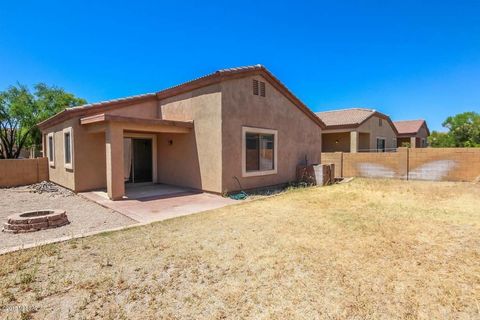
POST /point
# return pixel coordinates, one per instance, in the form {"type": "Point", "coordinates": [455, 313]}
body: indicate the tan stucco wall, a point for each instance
{"type": "Point", "coordinates": [178, 163]}
{"type": "Point", "coordinates": [385, 131]}
{"type": "Point", "coordinates": [329, 142]}
{"type": "Point", "coordinates": [58, 173]}
{"type": "Point", "coordinates": [88, 158]}
{"type": "Point", "coordinates": [422, 133]}
{"type": "Point", "coordinates": [298, 136]}
{"type": "Point", "coordinates": [147, 109]}
{"type": "Point", "coordinates": [364, 141]}
{"type": "Point", "coordinates": [194, 159]}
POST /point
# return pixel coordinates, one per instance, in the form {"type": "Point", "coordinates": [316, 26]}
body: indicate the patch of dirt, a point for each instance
{"type": "Point", "coordinates": [368, 249]}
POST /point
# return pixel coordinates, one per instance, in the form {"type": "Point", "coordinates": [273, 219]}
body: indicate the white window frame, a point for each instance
{"type": "Point", "coordinates": [51, 160]}
{"type": "Point", "coordinates": [246, 130]}
{"type": "Point", "coordinates": [68, 166]}
{"type": "Point", "coordinates": [376, 144]}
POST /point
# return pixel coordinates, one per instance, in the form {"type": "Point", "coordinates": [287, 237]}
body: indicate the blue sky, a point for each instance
{"type": "Point", "coordinates": [408, 59]}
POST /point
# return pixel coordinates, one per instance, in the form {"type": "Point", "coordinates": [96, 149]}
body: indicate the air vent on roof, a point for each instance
{"type": "Point", "coordinates": [262, 88]}
{"type": "Point", "coordinates": [255, 87]}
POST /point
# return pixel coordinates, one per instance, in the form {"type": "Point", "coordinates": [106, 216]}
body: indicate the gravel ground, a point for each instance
{"type": "Point", "coordinates": [84, 215]}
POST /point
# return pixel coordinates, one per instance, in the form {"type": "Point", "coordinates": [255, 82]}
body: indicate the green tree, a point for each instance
{"type": "Point", "coordinates": [21, 111]}
{"type": "Point", "coordinates": [441, 140]}
{"type": "Point", "coordinates": [464, 129]}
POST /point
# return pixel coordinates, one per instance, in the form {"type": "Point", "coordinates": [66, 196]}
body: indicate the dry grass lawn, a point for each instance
{"type": "Point", "coordinates": [368, 249]}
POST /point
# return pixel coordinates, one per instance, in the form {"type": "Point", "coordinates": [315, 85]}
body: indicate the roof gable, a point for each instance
{"type": "Point", "coordinates": [345, 117]}
{"type": "Point", "coordinates": [406, 127]}
{"type": "Point", "coordinates": [350, 118]}
{"type": "Point", "coordinates": [212, 78]}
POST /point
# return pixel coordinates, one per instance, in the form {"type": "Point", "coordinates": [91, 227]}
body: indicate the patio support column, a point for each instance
{"type": "Point", "coordinates": [413, 142]}
{"type": "Point", "coordinates": [114, 154]}
{"type": "Point", "coordinates": [354, 141]}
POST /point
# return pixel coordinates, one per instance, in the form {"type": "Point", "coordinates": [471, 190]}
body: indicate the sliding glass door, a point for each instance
{"type": "Point", "coordinates": [137, 160]}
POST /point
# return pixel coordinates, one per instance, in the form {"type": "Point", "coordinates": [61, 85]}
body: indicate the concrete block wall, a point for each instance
{"type": "Point", "coordinates": [374, 165]}
{"type": "Point", "coordinates": [18, 172]}
{"type": "Point", "coordinates": [435, 164]}
{"type": "Point", "coordinates": [448, 164]}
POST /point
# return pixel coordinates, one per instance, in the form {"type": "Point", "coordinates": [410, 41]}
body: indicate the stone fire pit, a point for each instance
{"type": "Point", "coordinates": [35, 220]}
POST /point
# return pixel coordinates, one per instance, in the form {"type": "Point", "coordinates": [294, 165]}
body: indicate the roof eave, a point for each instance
{"type": "Point", "coordinates": [210, 79]}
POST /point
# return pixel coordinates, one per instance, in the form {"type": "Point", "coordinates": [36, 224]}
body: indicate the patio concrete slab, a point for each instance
{"type": "Point", "coordinates": [158, 202]}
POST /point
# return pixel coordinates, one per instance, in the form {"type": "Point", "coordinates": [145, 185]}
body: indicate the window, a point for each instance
{"type": "Point", "coordinates": [67, 148]}
{"type": "Point", "coordinates": [380, 144]}
{"type": "Point", "coordinates": [51, 149]}
{"type": "Point", "coordinates": [259, 154]}
{"type": "Point", "coordinates": [380, 122]}
{"type": "Point", "coordinates": [424, 143]}
{"type": "Point", "coordinates": [258, 88]}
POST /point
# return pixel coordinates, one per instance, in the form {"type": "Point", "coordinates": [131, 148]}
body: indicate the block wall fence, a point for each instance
{"type": "Point", "coordinates": [436, 164]}
{"type": "Point", "coordinates": [17, 172]}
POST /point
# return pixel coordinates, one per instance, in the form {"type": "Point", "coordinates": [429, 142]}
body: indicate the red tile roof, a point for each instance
{"type": "Point", "coordinates": [409, 126]}
{"type": "Point", "coordinates": [351, 118]}
{"type": "Point", "coordinates": [345, 117]}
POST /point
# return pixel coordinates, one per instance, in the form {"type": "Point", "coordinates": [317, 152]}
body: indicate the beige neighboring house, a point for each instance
{"type": "Point", "coordinates": [413, 133]}
{"type": "Point", "coordinates": [357, 130]}
{"type": "Point", "coordinates": [232, 129]}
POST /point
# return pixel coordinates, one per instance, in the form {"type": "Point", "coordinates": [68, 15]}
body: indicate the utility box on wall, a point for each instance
{"type": "Point", "coordinates": [316, 174]}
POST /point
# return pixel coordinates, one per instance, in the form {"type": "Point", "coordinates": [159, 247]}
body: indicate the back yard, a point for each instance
{"type": "Point", "coordinates": [366, 249]}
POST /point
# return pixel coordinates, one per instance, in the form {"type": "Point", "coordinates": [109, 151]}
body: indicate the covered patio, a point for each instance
{"type": "Point", "coordinates": [346, 141]}
{"type": "Point", "coordinates": [131, 148]}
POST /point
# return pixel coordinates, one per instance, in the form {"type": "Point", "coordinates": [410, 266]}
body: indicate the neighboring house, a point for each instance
{"type": "Point", "coordinates": [357, 130]}
{"type": "Point", "coordinates": [234, 129]}
{"type": "Point", "coordinates": [413, 133]}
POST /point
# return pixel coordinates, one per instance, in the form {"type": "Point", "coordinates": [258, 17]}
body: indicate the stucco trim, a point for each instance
{"type": "Point", "coordinates": [99, 118]}
{"type": "Point", "coordinates": [68, 166]}
{"type": "Point", "coordinates": [51, 161]}
{"type": "Point", "coordinates": [246, 130]}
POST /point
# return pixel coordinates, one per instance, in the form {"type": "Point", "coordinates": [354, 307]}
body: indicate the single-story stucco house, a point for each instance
{"type": "Point", "coordinates": [412, 133]}
{"type": "Point", "coordinates": [357, 130]}
{"type": "Point", "coordinates": [234, 129]}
